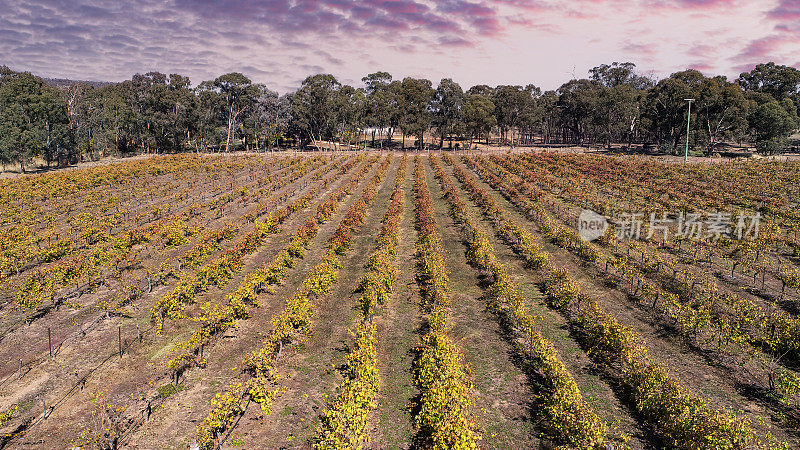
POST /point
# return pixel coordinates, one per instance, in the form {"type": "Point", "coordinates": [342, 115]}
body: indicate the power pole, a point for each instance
{"type": "Point", "coordinates": [688, 118]}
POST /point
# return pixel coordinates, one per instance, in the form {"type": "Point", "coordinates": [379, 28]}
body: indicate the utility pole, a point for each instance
{"type": "Point", "coordinates": [688, 118]}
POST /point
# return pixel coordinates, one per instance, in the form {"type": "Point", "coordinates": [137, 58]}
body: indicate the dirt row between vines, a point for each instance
{"type": "Point", "coordinates": [224, 360]}
{"type": "Point", "coordinates": [30, 342]}
{"type": "Point", "coordinates": [120, 382]}
{"type": "Point", "coordinates": [505, 395]}
{"type": "Point", "coordinates": [696, 371]}
{"type": "Point", "coordinates": [594, 386]}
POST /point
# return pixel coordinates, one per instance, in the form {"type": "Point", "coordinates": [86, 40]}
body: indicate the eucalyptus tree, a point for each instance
{"type": "Point", "coordinates": [776, 80]}
{"type": "Point", "coordinates": [579, 106]}
{"type": "Point", "coordinates": [479, 117]}
{"type": "Point", "coordinates": [84, 104]}
{"type": "Point", "coordinates": [618, 74]}
{"type": "Point", "coordinates": [771, 122]}
{"type": "Point", "coordinates": [774, 93]}
{"type": "Point", "coordinates": [482, 90]}
{"type": "Point", "coordinates": [350, 107]}
{"type": "Point", "coordinates": [75, 95]}
{"type": "Point", "coordinates": [181, 111]}
{"type": "Point", "coordinates": [414, 101]}
{"type": "Point", "coordinates": [513, 105]}
{"type": "Point", "coordinates": [113, 114]}
{"type": "Point", "coordinates": [719, 113]}
{"type": "Point", "coordinates": [211, 123]}
{"type": "Point", "coordinates": [33, 121]}
{"type": "Point", "coordinates": [168, 110]}
{"type": "Point", "coordinates": [381, 103]}
{"type": "Point", "coordinates": [722, 111]}
{"type": "Point", "coordinates": [447, 105]}
{"type": "Point", "coordinates": [620, 103]}
{"type": "Point", "coordinates": [159, 112]}
{"type": "Point", "coordinates": [143, 94]}
{"type": "Point", "coordinates": [314, 109]}
{"type": "Point", "coordinates": [269, 116]}
{"type": "Point", "coordinates": [237, 93]}
{"type": "Point", "coordinates": [666, 111]}
{"type": "Point", "coordinates": [551, 116]}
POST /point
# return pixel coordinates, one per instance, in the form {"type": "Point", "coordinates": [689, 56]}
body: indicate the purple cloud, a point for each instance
{"type": "Point", "coordinates": [693, 4]}
{"type": "Point", "coordinates": [787, 10]}
{"type": "Point", "coordinates": [280, 41]}
{"type": "Point", "coordinates": [785, 18]}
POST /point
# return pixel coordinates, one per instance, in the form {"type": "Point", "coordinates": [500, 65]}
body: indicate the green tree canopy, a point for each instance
{"type": "Point", "coordinates": [33, 120]}
{"type": "Point", "coordinates": [414, 101]}
{"type": "Point", "coordinates": [447, 107]}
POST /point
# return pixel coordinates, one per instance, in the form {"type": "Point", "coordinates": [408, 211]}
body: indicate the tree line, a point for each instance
{"type": "Point", "coordinates": [614, 105]}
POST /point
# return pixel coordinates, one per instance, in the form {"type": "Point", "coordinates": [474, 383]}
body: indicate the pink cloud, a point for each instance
{"type": "Point", "coordinates": [744, 67]}
{"type": "Point", "coordinates": [640, 49]}
{"type": "Point", "coordinates": [215, 36]}
{"type": "Point", "coordinates": [787, 10]}
{"type": "Point", "coordinates": [455, 42]}
{"type": "Point", "coordinates": [702, 67]}
{"type": "Point", "coordinates": [707, 51]}
{"type": "Point", "coordinates": [763, 49]}
{"type": "Point", "coordinates": [399, 6]}
{"type": "Point", "coordinates": [691, 4]}
{"type": "Point", "coordinates": [527, 5]}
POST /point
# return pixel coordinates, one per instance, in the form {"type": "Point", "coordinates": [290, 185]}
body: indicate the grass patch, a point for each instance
{"type": "Point", "coordinates": [169, 390]}
{"type": "Point", "coordinates": [288, 410]}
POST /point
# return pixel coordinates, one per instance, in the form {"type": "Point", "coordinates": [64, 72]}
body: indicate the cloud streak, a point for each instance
{"type": "Point", "coordinates": [476, 41]}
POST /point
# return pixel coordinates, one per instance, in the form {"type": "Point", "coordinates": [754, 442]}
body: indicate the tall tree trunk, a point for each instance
{"type": "Point", "coordinates": [231, 122]}
{"type": "Point", "coordinates": [228, 140]}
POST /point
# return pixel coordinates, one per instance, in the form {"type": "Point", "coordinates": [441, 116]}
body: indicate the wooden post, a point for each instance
{"type": "Point", "coordinates": [119, 340]}
{"type": "Point", "coordinates": [49, 342]}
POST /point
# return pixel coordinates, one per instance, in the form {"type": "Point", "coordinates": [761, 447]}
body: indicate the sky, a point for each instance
{"type": "Point", "coordinates": [279, 43]}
